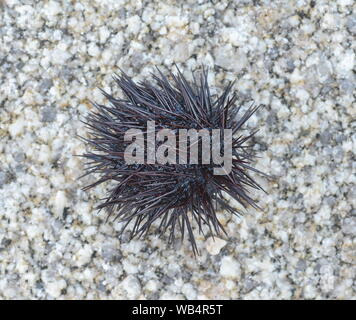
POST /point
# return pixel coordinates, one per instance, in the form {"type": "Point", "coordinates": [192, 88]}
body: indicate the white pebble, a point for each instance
{"type": "Point", "coordinates": [55, 288]}
{"type": "Point", "coordinates": [230, 268]}
{"type": "Point", "coordinates": [84, 255]}
{"type": "Point", "coordinates": [59, 203]}
{"type": "Point", "coordinates": [16, 128]}
{"type": "Point", "coordinates": [214, 245]}
{"type": "Point", "coordinates": [132, 287]}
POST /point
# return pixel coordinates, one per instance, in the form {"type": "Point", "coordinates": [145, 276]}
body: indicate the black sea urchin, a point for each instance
{"type": "Point", "coordinates": [173, 192]}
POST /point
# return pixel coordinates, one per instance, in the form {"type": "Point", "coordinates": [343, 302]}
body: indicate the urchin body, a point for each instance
{"type": "Point", "coordinates": [174, 194]}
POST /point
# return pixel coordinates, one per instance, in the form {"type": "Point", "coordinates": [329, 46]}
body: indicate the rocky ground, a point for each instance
{"type": "Point", "coordinates": [296, 57]}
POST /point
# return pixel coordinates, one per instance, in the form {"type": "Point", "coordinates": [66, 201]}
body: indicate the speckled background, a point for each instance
{"type": "Point", "coordinates": [296, 57]}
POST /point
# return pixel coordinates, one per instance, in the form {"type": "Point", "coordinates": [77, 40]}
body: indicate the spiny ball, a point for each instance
{"type": "Point", "coordinates": [174, 194]}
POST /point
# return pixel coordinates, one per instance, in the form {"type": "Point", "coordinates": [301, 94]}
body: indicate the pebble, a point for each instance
{"type": "Point", "coordinates": [214, 245]}
{"type": "Point", "coordinates": [230, 268]}
{"type": "Point", "coordinates": [296, 59]}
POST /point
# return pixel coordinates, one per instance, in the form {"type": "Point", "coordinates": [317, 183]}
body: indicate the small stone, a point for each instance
{"type": "Point", "coordinates": [137, 60]}
{"type": "Point", "coordinates": [132, 287]}
{"type": "Point", "coordinates": [214, 245]}
{"type": "Point", "coordinates": [45, 85]}
{"type": "Point", "coordinates": [230, 268]}
{"type": "Point", "coordinates": [122, 13]}
{"type": "Point", "coordinates": [249, 285]}
{"type": "Point", "coordinates": [273, 53]}
{"type": "Point", "coordinates": [167, 280]}
{"type": "Point", "coordinates": [16, 128]}
{"type": "Point", "coordinates": [84, 255]}
{"type": "Point", "coordinates": [110, 254]}
{"type": "Point", "coordinates": [20, 65]}
{"type": "Point", "coordinates": [101, 287]}
{"type": "Point", "coordinates": [152, 285]}
{"type": "Point", "coordinates": [133, 24]}
{"type": "Point", "coordinates": [301, 265]}
{"type": "Point", "coordinates": [52, 8]}
{"type": "Point", "coordinates": [19, 157]}
{"type": "Point", "coordinates": [181, 52]}
{"type": "Point", "coordinates": [3, 178]}
{"type": "Point", "coordinates": [59, 203]}
{"type": "Point", "coordinates": [55, 288]}
{"type": "Point", "coordinates": [48, 114]}
{"type": "Point", "coordinates": [347, 86]}
{"type": "Point", "coordinates": [290, 65]}
{"type": "Point", "coordinates": [93, 50]}
{"type": "Point", "coordinates": [349, 226]}
{"type": "Point", "coordinates": [351, 24]}
{"type": "Point", "coordinates": [59, 56]}
{"type": "Point", "coordinates": [272, 119]}
{"type": "Point", "coordinates": [325, 137]}
{"type": "Point", "coordinates": [5, 242]}
{"type": "Point", "coordinates": [66, 73]}
{"type": "Point", "coordinates": [298, 61]}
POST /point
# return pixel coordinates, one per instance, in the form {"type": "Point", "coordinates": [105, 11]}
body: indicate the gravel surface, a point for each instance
{"type": "Point", "coordinates": [296, 57]}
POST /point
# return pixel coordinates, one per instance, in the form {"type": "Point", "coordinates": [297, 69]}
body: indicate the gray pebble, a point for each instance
{"type": "Point", "coordinates": [45, 85]}
{"type": "Point", "coordinates": [347, 86]}
{"type": "Point", "coordinates": [110, 254]}
{"type": "Point", "coordinates": [48, 114]}
{"type": "Point", "coordinates": [249, 285]}
{"type": "Point", "coordinates": [351, 24]}
{"type": "Point", "coordinates": [301, 265]}
{"type": "Point", "coordinates": [3, 178]}
{"type": "Point", "coordinates": [349, 226]}
{"type": "Point", "coordinates": [325, 137]}
{"type": "Point", "coordinates": [19, 156]}
{"type": "Point", "coordinates": [290, 65]}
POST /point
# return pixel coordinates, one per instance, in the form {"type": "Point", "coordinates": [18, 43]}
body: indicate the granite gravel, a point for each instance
{"type": "Point", "coordinates": [297, 57]}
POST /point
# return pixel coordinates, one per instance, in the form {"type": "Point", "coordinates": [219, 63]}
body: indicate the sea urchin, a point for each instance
{"type": "Point", "coordinates": [131, 145]}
